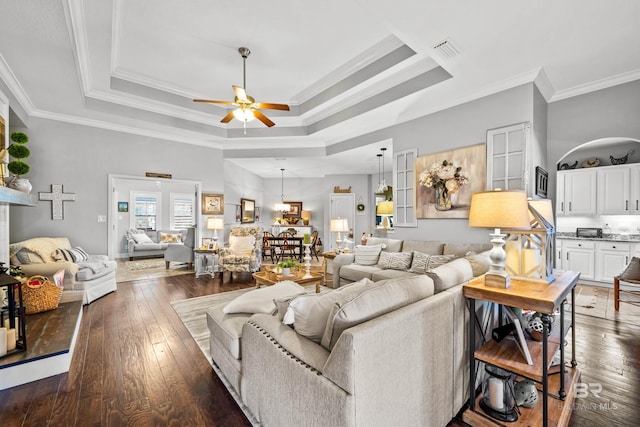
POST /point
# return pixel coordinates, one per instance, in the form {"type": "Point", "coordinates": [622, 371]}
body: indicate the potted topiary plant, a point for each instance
{"type": "Point", "coordinates": [287, 265]}
{"type": "Point", "coordinates": [17, 167]}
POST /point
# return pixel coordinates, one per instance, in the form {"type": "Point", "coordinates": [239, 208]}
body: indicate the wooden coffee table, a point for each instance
{"type": "Point", "coordinates": [268, 278]}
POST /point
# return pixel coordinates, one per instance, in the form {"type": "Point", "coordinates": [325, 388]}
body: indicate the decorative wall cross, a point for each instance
{"type": "Point", "coordinates": [56, 197]}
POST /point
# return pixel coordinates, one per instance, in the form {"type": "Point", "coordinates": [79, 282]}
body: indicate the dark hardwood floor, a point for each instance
{"type": "Point", "coordinates": [135, 364]}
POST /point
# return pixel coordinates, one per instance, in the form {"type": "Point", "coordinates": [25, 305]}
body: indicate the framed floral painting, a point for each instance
{"type": "Point", "coordinates": [445, 181]}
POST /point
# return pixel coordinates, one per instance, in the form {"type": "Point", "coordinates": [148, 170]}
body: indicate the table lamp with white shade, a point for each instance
{"type": "Point", "coordinates": [499, 210]}
{"type": "Point", "coordinates": [338, 225]}
{"type": "Point", "coordinates": [215, 224]}
{"type": "Point", "coordinates": [306, 216]}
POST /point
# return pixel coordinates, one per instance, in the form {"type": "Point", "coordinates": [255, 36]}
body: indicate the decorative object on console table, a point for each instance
{"type": "Point", "coordinates": [338, 225]}
{"type": "Point", "coordinates": [498, 399]}
{"type": "Point", "coordinates": [57, 196]}
{"type": "Point", "coordinates": [530, 253]}
{"type": "Point", "coordinates": [499, 209]}
{"type": "Point", "coordinates": [17, 167]}
{"type": "Point", "coordinates": [453, 181]}
{"type": "Point", "coordinates": [212, 204]}
{"type": "Point", "coordinates": [306, 216]}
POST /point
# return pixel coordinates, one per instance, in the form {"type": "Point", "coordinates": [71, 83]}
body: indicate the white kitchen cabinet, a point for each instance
{"type": "Point", "coordinates": [579, 255]}
{"type": "Point", "coordinates": [614, 191]}
{"type": "Point", "coordinates": [576, 192]}
{"type": "Point", "coordinates": [611, 259]}
{"type": "Point", "coordinates": [634, 198]}
{"type": "Point", "coordinates": [558, 255]}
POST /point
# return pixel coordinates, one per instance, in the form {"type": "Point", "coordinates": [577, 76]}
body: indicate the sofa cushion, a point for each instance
{"type": "Point", "coordinates": [389, 245]}
{"type": "Point", "coordinates": [242, 245]}
{"type": "Point", "coordinates": [355, 272]}
{"type": "Point", "coordinates": [44, 247]}
{"type": "Point", "coordinates": [480, 263]}
{"type": "Point", "coordinates": [25, 256]}
{"type": "Point", "coordinates": [170, 237]}
{"type": "Point", "coordinates": [141, 238]}
{"type": "Point", "coordinates": [424, 262]}
{"type": "Point", "coordinates": [390, 274]}
{"type": "Point", "coordinates": [367, 255]}
{"type": "Point", "coordinates": [632, 272]}
{"type": "Point", "coordinates": [425, 246]}
{"type": "Point", "coordinates": [460, 249]}
{"type": "Point", "coordinates": [261, 300]}
{"type": "Point", "coordinates": [395, 260]}
{"type": "Point", "coordinates": [372, 301]}
{"type": "Point", "coordinates": [76, 254]}
{"type": "Point", "coordinates": [451, 274]}
{"type": "Point", "coordinates": [227, 328]}
{"type": "Point", "coordinates": [309, 313]}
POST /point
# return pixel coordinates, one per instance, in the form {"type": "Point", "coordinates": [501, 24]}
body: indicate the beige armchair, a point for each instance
{"type": "Point", "coordinates": [243, 253]}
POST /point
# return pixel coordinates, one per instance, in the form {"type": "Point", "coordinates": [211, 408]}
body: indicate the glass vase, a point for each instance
{"type": "Point", "coordinates": [443, 199]}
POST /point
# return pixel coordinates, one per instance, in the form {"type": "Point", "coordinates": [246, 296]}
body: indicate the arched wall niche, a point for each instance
{"type": "Point", "coordinates": [601, 149]}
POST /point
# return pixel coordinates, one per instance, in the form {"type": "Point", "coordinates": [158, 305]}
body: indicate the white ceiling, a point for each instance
{"type": "Point", "coordinates": [345, 67]}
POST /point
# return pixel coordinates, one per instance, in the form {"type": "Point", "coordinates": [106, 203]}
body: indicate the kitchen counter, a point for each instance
{"type": "Point", "coordinates": [604, 238]}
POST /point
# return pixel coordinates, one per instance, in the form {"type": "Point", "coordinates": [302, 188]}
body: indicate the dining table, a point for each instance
{"type": "Point", "coordinates": [282, 244]}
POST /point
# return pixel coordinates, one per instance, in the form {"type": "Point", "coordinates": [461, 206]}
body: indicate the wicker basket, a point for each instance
{"type": "Point", "coordinates": [40, 294]}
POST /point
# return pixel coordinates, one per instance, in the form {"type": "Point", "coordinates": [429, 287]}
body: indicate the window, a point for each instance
{"type": "Point", "coordinates": [146, 212]}
{"type": "Point", "coordinates": [182, 210]}
{"type": "Point", "coordinates": [404, 188]}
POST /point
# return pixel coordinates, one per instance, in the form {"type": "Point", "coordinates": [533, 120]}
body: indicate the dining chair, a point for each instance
{"type": "Point", "coordinates": [631, 278]}
{"type": "Point", "coordinates": [314, 244]}
{"type": "Point", "coordinates": [287, 245]}
{"type": "Point", "coordinates": [267, 245]}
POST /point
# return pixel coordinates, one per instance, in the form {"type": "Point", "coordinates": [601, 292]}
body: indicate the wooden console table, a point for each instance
{"type": "Point", "coordinates": [544, 298]}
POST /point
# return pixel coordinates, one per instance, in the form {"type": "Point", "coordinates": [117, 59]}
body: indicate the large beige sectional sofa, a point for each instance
{"type": "Point", "coordinates": [389, 352]}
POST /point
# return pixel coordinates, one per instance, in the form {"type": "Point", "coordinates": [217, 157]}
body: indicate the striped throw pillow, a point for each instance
{"type": "Point", "coordinates": [395, 260]}
{"type": "Point", "coordinates": [76, 254]}
{"type": "Point", "coordinates": [422, 263]}
{"type": "Point", "coordinates": [367, 255]}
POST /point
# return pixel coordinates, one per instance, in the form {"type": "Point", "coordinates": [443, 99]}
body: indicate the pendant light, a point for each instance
{"type": "Point", "coordinates": [282, 206]}
{"type": "Point", "coordinates": [382, 185]}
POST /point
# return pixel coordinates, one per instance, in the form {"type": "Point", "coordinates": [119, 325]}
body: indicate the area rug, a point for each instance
{"type": "Point", "coordinates": [145, 264]}
{"type": "Point", "coordinates": [597, 301]}
{"type": "Point", "coordinates": [192, 313]}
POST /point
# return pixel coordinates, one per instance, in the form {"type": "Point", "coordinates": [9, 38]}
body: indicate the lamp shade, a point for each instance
{"type": "Point", "coordinates": [306, 215]}
{"type": "Point", "coordinates": [385, 208]}
{"type": "Point", "coordinates": [499, 209]}
{"type": "Point", "coordinates": [338, 225]}
{"type": "Point", "coordinates": [544, 208]}
{"type": "Point", "coordinates": [215, 224]}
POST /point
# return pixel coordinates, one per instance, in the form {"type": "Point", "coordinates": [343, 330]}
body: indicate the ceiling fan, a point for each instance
{"type": "Point", "coordinates": [248, 108]}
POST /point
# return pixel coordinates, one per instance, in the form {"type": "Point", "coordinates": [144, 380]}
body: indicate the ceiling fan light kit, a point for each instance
{"type": "Point", "coordinates": [248, 108]}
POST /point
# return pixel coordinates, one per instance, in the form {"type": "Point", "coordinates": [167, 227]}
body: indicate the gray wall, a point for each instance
{"type": "Point", "coordinates": [611, 112]}
{"type": "Point", "coordinates": [80, 158]}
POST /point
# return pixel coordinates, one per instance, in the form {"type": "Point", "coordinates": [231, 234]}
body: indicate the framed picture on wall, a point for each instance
{"type": "Point", "coordinates": [123, 206]}
{"type": "Point", "coordinates": [247, 211]}
{"type": "Point", "coordinates": [542, 179]}
{"type": "Point", "coordinates": [212, 204]}
{"type": "Point", "coordinates": [295, 210]}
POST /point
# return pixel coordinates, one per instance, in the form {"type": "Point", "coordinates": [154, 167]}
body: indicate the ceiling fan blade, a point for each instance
{"type": "Point", "coordinates": [270, 106]}
{"type": "Point", "coordinates": [227, 118]}
{"type": "Point", "coordinates": [264, 119]}
{"type": "Point", "coordinates": [240, 93]}
{"type": "Point", "coordinates": [211, 101]}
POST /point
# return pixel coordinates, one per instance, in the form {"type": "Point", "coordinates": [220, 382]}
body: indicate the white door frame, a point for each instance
{"type": "Point", "coordinates": [112, 243]}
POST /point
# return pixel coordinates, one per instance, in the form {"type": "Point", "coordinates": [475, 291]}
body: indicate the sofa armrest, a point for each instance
{"type": "Point", "coordinates": [338, 262]}
{"type": "Point", "coordinates": [48, 269]}
{"type": "Point", "coordinates": [131, 246]}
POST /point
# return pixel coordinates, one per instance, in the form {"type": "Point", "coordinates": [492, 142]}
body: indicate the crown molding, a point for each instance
{"type": "Point", "coordinates": [544, 85]}
{"type": "Point", "coordinates": [101, 124]}
{"type": "Point", "coordinates": [15, 87]}
{"type": "Point", "coordinates": [597, 85]}
{"type": "Point", "coordinates": [74, 13]}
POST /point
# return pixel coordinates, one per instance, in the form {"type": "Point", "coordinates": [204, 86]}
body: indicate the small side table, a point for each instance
{"type": "Point", "coordinates": [206, 262]}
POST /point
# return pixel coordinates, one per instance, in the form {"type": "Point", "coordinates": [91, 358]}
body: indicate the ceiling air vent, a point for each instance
{"type": "Point", "coordinates": [446, 49]}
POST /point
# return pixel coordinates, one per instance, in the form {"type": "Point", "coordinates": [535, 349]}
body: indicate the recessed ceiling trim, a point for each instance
{"type": "Point", "coordinates": [374, 53]}
{"type": "Point", "coordinates": [618, 79]}
{"type": "Point", "coordinates": [14, 86]}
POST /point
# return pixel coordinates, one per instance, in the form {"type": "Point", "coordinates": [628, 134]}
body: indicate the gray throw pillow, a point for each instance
{"type": "Point", "coordinates": [422, 263]}
{"type": "Point", "coordinates": [395, 260]}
